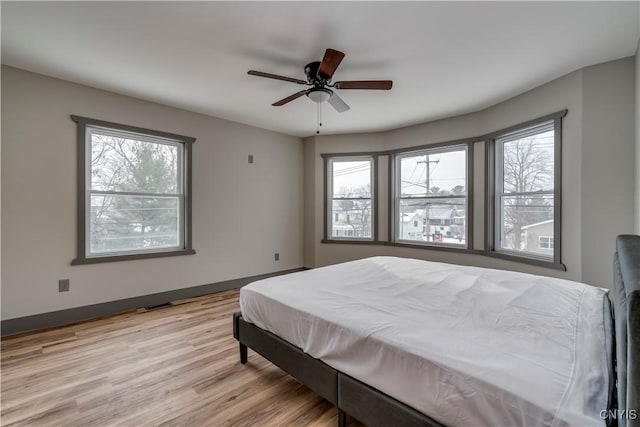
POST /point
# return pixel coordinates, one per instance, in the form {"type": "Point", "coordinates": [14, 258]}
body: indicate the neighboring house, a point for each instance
{"type": "Point", "coordinates": [350, 225]}
{"type": "Point", "coordinates": [412, 226]}
{"type": "Point", "coordinates": [447, 221]}
{"type": "Point", "coordinates": [538, 237]}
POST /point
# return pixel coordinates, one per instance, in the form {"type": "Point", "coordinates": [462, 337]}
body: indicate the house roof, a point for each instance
{"type": "Point", "coordinates": [441, 212]}
{"type": "Point", "coordinates": [537, 224]}
{"type": "Point", "coordinates": [409, 216]}
{"type": "Point", "coordinates": [342, 226]}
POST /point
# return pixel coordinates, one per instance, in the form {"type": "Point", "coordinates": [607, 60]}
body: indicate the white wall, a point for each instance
{"type": "Point", "coordinates": [615, 78]}
{"type": "Point", "coordinates": [39, 198]}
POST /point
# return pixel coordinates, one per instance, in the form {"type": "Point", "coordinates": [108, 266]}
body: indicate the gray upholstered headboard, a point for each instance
{"type": "Point", "coordinates": [626, 297]}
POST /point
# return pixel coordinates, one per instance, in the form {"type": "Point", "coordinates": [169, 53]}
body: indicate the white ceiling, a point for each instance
{"type": "Point", "coordinates": [445, 58]}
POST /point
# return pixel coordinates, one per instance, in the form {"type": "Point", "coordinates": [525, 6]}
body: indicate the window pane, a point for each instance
{"type": "Point", "coordinates": [545, 242]}
{"type": "Point", "coordinates": [351, 218]}
{"type": "Point", "coordinates": [351, 179]}
{"type": "Point", "coordinates": [128, 223]}
{"type": "Point", "coordinates": [433, 221]}
{"type": "Point", "coordinates": [524, 220]}
{"type": "Point", "coordinates": [123, 164]}
{"type": "Point", "coordinates": [441, 173]}
{"type": "Point", "coordinates": [528, 163]}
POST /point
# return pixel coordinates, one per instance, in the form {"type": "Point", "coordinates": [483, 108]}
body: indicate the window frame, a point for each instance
{"type": "Point", "coordinates": [492, 214]}
{"type": "Point", "coordinates": [328, 197]}
{"type": "Point", "coordinates": [84, 125]}
{"type": "Point", "coordinates": [394, 201]}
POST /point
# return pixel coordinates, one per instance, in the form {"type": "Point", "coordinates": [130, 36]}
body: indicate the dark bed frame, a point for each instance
{"type": "Point", "coordinates": [374, 408]}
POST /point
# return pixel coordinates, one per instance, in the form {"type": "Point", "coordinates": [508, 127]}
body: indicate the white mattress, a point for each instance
{"type": "Point", "coordinates": [467, 346]}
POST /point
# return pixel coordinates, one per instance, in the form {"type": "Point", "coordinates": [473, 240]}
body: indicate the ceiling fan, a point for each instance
{"type": "Point", "coordinates": [319, 76]}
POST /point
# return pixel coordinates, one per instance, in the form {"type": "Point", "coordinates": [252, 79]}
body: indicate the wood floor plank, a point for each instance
{"type": "Point", "coordinates": [173, 366]}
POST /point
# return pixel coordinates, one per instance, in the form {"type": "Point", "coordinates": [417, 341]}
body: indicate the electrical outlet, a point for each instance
{"type": "Point", "coordinates": [63, 285]}
{"type": "Point", "coordinates": [250, 158]}
{"type": "Point", "coordinates": [276, 256]}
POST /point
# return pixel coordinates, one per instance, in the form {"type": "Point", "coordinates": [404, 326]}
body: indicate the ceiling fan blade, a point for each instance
{"type": "Point", "coordinates": [330, 62]}
{"type": "Point", "coordinates": [365, 84]}
{"type": "Point", "coordinates": [337, 103]}
{"type": "Point", "coordinates": [275, 76]}
{"type": "Point", "coordinates": [289, 98]}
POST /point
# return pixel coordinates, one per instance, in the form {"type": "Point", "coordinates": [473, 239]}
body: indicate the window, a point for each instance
{"type": "Point", "coordinates": [431, 194]}
{"type": "Point", "coordinates": [350, 198]}
{"type": "Point", "coordinates": [526, 199]}
{"type": "Point", "coordinates": [431, 187]}
{"type": "Point", "coordinates": [134, 192]}
{"type": "Point", "coordinates": [545, 242]}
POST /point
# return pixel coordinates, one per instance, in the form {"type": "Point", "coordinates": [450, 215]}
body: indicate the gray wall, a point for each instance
{"type": "Point", "coordinates": [603, 91]}
{"type": "Point", "coordinates": [309, 219]}
{"type": "Point", "coordinates": [608, 163]}
{"type": "Point", "coordinates": [275, 199]}
{"type": "Point", "coordinates": [324, 253]}
{"type": "Point", "coordinates": [638, 139]}
{"type": "Point", "coordinates": [242, 213]}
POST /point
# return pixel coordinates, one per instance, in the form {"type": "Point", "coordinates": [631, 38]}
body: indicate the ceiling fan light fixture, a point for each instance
{"type": "Point", "coordinates": [319, 95]}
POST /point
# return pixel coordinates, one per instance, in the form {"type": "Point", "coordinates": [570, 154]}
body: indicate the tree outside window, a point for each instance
{"type": "Point", "coordinates": [525, 186]}
{"type": "Point", "coordinates": [350, 199]}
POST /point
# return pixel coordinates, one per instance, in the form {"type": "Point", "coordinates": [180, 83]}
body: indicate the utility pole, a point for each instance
{"type": "Point", "coordinates": [426, 208]}
{"type": "Point", "coordinates": [428, 163]}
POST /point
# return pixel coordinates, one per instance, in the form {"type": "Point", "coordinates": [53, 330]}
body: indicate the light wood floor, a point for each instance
{"type": "Point", "coordinates": [175, 366]}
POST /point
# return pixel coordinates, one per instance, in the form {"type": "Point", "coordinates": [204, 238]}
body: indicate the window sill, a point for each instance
{"type": "Point", "coordinates": [446, 248]}
{"type": "Point", "coordinates": [508, 257]}
{"type": "Point", "coordinates": [129, 257]}
{"type": "Point", "coordinates": [353, 242]}
{"type": "Point", "coordinates": [527, 260]}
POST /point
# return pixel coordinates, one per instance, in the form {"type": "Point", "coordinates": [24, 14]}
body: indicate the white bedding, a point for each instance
{"type": "Point", "coordinates": [467, 346]}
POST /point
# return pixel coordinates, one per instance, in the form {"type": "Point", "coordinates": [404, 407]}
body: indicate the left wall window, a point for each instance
{"type": "Point", "coordinates": [350, 207]}
{"type": "Point", "coordinates": [134, 192]}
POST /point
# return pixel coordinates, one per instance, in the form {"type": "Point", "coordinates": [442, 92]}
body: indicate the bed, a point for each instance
{"type": "Point", "coordinates": [395, 341]}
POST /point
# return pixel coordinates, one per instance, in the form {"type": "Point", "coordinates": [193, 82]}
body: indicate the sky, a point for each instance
{"type": "Point", "coordinates": [446, 170]}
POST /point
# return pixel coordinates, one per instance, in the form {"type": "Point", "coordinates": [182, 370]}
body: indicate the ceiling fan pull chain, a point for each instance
{"type": "Point", "coordinates": [318, 120]}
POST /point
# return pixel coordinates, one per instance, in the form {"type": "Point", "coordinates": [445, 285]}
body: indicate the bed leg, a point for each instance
{"type": "Point", "coordinates": [243, 353]}
{"type": "Point", "coordinates": [342, 418]}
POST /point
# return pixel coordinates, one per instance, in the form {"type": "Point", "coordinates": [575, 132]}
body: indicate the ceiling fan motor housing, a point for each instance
{"type": "Point", "coordinates": [311, 71]}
